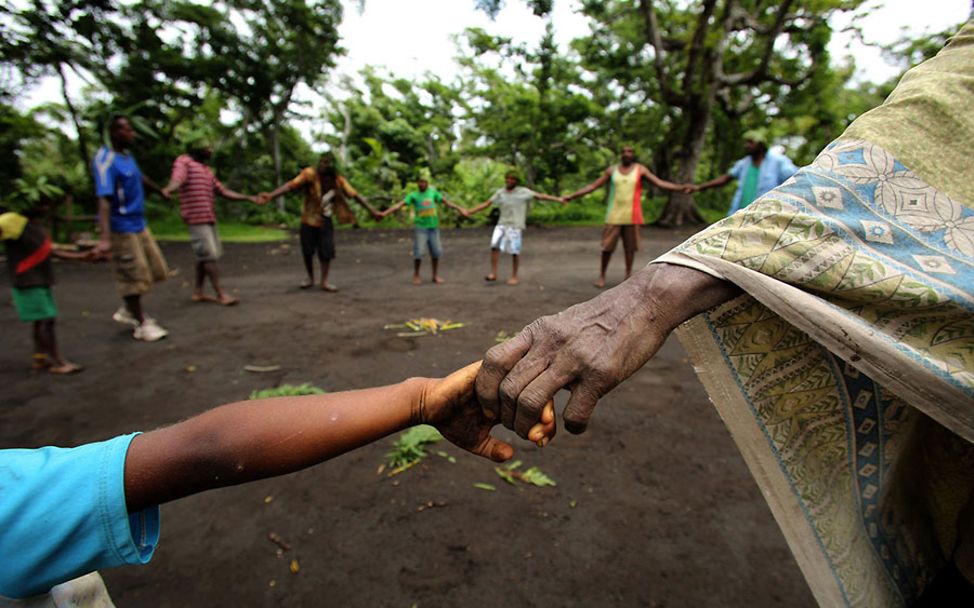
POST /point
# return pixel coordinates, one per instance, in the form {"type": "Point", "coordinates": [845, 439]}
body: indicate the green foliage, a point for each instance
{"type": "Point", "coordinates": [230, 68]}
{"type": "Point", "coordinates": [172, 228]}
{"type": "Point", "coordinates": [287, 390]}
{"type": "Point", "coordinates": [27, 192]}
{"type": "Point", "coordinates": [16, 131]}
{"type": "Point", "coordinates": [408, 449]}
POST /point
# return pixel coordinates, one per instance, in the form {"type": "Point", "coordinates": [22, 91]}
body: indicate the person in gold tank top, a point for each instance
{"type": "Point", "coordinates": [624, 215]}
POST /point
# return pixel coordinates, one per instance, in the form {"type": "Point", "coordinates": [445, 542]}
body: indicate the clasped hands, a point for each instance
{"type": "Point", "coordinates": [587, 349]}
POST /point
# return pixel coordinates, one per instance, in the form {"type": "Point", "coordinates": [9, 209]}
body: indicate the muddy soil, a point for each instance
{"type": "Point", "coordinates": [653, 505]}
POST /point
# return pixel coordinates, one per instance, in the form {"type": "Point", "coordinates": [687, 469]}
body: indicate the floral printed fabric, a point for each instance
{"type": "Point", "coordinates": [846, 372]}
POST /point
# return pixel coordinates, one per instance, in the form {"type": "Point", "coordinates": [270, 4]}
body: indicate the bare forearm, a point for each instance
{"type": "Point", "coordinates": [480, 207]}
{"type": "Point", "coordinates": [365, 203]}
{"type": "Point", "coordinates": [173, 185]}
{"type": "Point", "coordinates": [280, 190]}
{"type": "Point", "coordinates": [233, 195]}
{"type": "Point", "coordinates": [151, 185]}
{"type": "Point", "coordinates": [715, 183]}
{"type": "Point", "coordinates": [453, 205]}
{"type": "Point", "coordinates": [104, 212]}
{"type": "Point", "coordinates": [679, 293]}
{"type": "Point", "coordinates": [251, 440]}
{"type": "Point", "coordinates": [582, 192]}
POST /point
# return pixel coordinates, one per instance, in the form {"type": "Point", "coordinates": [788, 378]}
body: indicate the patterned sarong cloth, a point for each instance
{"type": "Point", "coordinates": [845, 373]}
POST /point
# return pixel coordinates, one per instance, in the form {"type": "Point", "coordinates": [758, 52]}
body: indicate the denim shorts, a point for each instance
{"type": "Point", "coordinates": [427, 239]}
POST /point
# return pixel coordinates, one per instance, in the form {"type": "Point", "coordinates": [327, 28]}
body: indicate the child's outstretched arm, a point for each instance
{"type": "Point", "coordinates": [480, 207]}
{"type": "Point", "coordinates": [251, 440]}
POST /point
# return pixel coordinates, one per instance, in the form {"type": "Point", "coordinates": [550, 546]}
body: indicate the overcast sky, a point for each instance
{"type": "Point", "coordinates": [411, 38]}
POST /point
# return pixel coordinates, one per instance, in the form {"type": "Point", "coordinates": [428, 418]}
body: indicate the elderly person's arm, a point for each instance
{"type": "Point", "coordinates": [593, 346]}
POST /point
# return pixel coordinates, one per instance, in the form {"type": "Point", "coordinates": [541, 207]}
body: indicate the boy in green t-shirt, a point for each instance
{"type": "Point", "coordinates": [426, 235]}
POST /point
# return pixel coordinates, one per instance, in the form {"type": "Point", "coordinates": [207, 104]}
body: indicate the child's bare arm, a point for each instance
{"type": "Point", "coordinates": [72, 255]}
{"type": "Point", "coordinates": [480, 207]}
{"type": "Point", "coordinates": [251, 440]}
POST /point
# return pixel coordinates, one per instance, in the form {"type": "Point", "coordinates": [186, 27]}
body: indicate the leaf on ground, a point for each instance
{"type": "Point", "coordinates": [261, 369]}
{"type": "Point", "coordinates": [423, 326]}
{"type": "Point", "coordinates": [506, 475]}
{"type": "Point", "coordinates": [534, 476]}
{"type": "Point", "coordinates": [503, 336]}
{"type": "Point", "coordinates": [408, 449]}
{"type": "Point", "coordinates": [287, 390]}
{"type": "Point", "coordinates": [484, 486]}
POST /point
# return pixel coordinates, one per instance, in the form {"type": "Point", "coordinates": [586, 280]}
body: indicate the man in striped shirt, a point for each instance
{"type": "Point", "coordinates": [198, 187]}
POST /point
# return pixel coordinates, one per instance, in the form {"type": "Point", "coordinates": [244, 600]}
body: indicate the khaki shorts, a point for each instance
{"type": "Point", "coordinates": [137, 262]}
{"type": "Point", "coordinates": [612, 232]}
{"type": "Point", "coordinates": [205, 242]}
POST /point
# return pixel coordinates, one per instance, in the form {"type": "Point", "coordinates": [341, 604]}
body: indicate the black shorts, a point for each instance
{"type": "Point", "coordinates": [320, 239]}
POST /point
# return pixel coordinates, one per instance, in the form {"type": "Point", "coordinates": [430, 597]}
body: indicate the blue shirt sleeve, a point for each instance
{"type": "Point", "coordinates": [737, 171]}
{"type": "Point", "coordinates": [63, 514]}
{"type": "Point", "coordinates": [103, 169]}
{"type": "Point", "coordinates": [786, 169]}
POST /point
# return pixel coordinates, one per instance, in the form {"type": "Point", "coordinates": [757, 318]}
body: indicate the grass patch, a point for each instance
{"type": "Point", "coordinates": [173, 229]}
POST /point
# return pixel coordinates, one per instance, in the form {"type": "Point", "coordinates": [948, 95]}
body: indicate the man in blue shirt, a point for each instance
{"type": "Point", "coordinates": [137, 261]}
{"type": "Point", "coordinates": [757, 173]}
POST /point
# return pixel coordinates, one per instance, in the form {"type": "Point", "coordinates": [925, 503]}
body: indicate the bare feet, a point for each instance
{"type": "Point", "coordinates": [600, 282]}
{"type": "Point", "coordinates": [417, 280]}
{"type": "Point", "coordinates": [512, 281]}
{"type": "Point", "coordinates": [307, 283]}
{"type": "Point", "coordinates": [490, 277]}
{"type": "Point", "coordinates": [199, 297]}
{"type": "Point", "coordinates": [438, 280]}
{"type": "Point", "coordinates": [227, 300]}
{"type": "Point", "coordinates": [65, 368]}
{"type": "Point", "coordinates": [329, 288]}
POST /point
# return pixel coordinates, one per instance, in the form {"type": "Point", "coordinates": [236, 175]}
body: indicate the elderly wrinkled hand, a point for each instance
{"type": "Point", "coordinates": [591, 347]}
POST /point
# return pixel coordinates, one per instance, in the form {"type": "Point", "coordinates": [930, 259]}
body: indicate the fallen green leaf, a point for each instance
{"type": "Point", "coordinates": [535, 477]}
{"type": "Point", "coordinates": [408, 449]}
{"type": "Point", "coordinates": [485, 486]}
{"type": "Point", "coordinates": [287, 390]}
{"type": "Point", "coordinates": [505, 475]}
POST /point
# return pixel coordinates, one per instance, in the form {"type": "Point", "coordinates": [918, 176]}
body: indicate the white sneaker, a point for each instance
{"type": "Point", "coordinates": [149, 331]}
{"type": "Point", "coordinates": [122, 315]}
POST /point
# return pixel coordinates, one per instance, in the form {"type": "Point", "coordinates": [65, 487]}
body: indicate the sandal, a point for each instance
{"type": "Point", "coordinates": [67, 368]}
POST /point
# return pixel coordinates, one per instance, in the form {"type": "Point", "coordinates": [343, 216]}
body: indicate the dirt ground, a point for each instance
{"type": "Point", "coordinates": [653, 505]}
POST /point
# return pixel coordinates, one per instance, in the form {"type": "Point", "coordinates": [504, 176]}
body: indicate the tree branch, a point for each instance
{"type": "Point", "coordinates": [698, 42]}
{"type": "Point", "coordinates": [656, 41]}
{"type": "Point", "coordinates": [759, 73]}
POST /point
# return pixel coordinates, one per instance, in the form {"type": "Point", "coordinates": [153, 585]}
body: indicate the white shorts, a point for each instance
{"type": "Point", "coordinates": [507, 239]}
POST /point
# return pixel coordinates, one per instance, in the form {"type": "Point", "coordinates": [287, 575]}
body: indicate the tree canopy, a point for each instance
{"type": "Point", "coordinates": [681, 81]}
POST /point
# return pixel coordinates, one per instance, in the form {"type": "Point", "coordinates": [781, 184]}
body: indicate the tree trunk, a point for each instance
{"type": "Point", "coordinates": [82, 140]}
{"type": "Point", "coordinates": [276, 156]}
{"type": "Point", "coordinates": [680, 209]}
{"type": "Point", "coordinates": [346, 133]}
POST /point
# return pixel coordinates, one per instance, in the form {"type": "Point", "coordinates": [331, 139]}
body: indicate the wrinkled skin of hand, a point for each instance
{"type": "Point", "coordinates": [450, 405]}
{"type": "Point", "coordinates": [591, 347]}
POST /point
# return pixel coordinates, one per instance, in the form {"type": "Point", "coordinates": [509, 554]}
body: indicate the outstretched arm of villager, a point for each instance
{"type": "Point", "coordinates": [660, 182]}
{"type": "Point", "coordinates": [593, 346]}
{"type": "Point", "coordinates": [714, 183]}
{"type": "Point", "coordinates": [603, 179]}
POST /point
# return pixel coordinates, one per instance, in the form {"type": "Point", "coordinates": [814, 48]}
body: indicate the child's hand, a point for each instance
{"type": "Point", "coordinates": [450, 405]}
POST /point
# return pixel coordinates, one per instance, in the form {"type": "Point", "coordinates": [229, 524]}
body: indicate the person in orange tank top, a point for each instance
{"type": "Point", "coordinates": [624, 215]}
